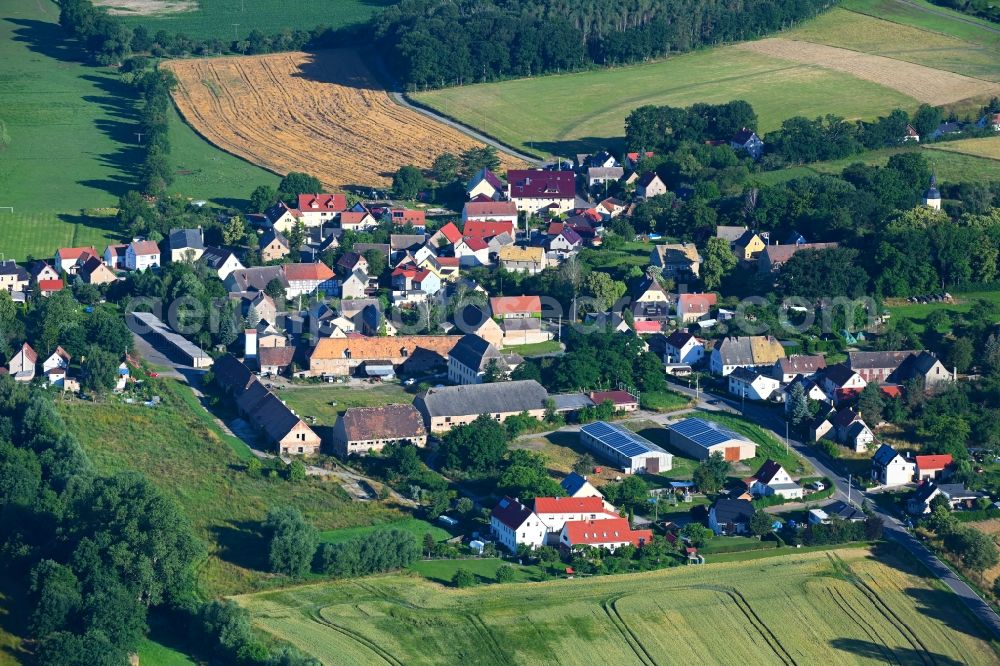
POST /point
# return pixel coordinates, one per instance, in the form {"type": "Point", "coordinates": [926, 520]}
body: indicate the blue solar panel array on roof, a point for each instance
{"type": "Point", "coordinates": [620, 439]}
{"type": "Point", "coordinates": [702, 433]}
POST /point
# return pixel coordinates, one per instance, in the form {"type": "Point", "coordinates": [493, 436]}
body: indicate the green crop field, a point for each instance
{"type": "Point", "coordinates": [927, 16]}
{"type": "Point", "coordinates": [67, 141]}
{"type": "Point", "coordinates": [224, 19]}
{"type": "Point", "coordinates": [988, 147]}
{"type": "Point", "coordinates": [949, 165]}
{"type": "Point", "coordinates": [566, 114]}
{"type": "Point", "coordinates": [183, 452]}
{"type": "Point", "coordinates": [835, 607]}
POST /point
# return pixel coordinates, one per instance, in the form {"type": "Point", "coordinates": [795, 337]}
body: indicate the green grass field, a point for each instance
{"type": "Point", "coordinates": [316, 399]}
{"type": "Point", "coordinates": [187, 456]}
{"type": "Point", "coordinates": [949, 165]}
{"type": "Point", "coordinates": [571, 113]}
{"type": "Point", "coordinates": [418, 528]}
{"type": "Point", "coordinates": [535, 349]}
{"type": "Point", "coordinates": [836, 607]}
{"type": "Point", "coordinates": [216, 18]}
{"type": "Point", "coordinates": [926, 17]}
{"type": "Point", "coordinates": [67, 141]}
{"type": "Point", "coordinates": [566, 114]}
{"type": "Point", "coordinates": [987, 148]}
{"type": "Point", "coordinates": [918, 312]}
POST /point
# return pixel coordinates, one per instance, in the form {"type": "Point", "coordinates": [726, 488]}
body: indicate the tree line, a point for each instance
{"type": "Point", "coordinates": [435, 44]}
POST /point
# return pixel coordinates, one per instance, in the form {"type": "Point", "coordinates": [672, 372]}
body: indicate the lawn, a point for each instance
{"type": "Point", "coordinates": [418, 528]}
{"type": "Point", "coordinates": [186, 455]}
{"type": "Point", "coordinates": [152, 653]}
{"type": "Point", "coordinates": [536, 349]}
{"type": "Point", "coordinates": [664, 401]}
{"type": "Point", "coordinates": [988, 147]}
{"type": "Point", "coordinates": [325, 402]}
{"type": "Point", "coordinates": [840, 606]}
{"type": "Point", "coordinates": [225, 18]}
{"type": "Point", "coordinates": [485, 569]}
{"type": "Point", "coordinates": [67, 140]}
{"type": "Point", "coordinates": [950, 166]}
{"type": "Point", "coordinates": [918, 312]}
{"type": "Point", "coordinates": [570, 113]}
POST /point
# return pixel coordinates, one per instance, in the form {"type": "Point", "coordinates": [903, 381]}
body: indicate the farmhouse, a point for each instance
{"type": "Point", "coordinates": [13, 278]}
{"type": "Point", "coordinates": [273, 246]}
{"type": "Point", "coordinates": [730, 516]}
{"type": "Point", "coordinates": [274, 360]}
{"type": "Point", "coordinates": [141, 255]}
{"type": "Point", "coordinates": [68, 258]}
{"type": "Point", "coordinates": [472, 357]}
{"type": "Point", "coordinates": [748, 246]}
{"type": "Point", "coordinates": [775, 256]}
{"type": "Point", "coordinates": [677, 259]}
{"type": "Point", "coordinates": [534, 190]}
{"type": "Point", "coordinates": [345, 356]}
{"type": "Point", "coordinates": [623, 401]}
{"type": "Point", "coordinates": [315, 210]}
{"type": "Point", "coordinates": [186, 244]}
{"type": "Point", "coordinates": [93, 271]}
{"type": "Point", "coordinates": [483, 211]}
{"type": "Point", "coordinates": [699, 439]}
{"type": "Point", "coordinates": [528, 260]}
{"type": "Point", "coordinates": [486, 184]}
{"type": "Point", "coordinates": [487, 229]}
{"type": "Point", "coordinates": [851, 430]}
{"type": "Point", "coordinates": [402, 217]}
{"type": "Point", "coordinates": [281, 217]}
{"type": "Point", "coordinates": [599, 175]}
{"type": "Point", "coordinates": [693, 307]}
{"type": "Point", "coordinates": [682, 347]}
{"type": "Point", "coordinates": [629, 451]}
{"type": "Point", "coordinates": [609, 534]}
{"type": "Point", "coordinates": [753, 384]}
{"type": "Point", "coordinates": [772, 479]}
{"type": "Point", "coordinates": [279, 424]}
{"type": "Point", "coordinates": [514, 524]}
{"type": "Point", "coordinates": [839, 377]}
{"type": "Point", "coordinates": [473, 319]}
{"type": "Point", "coordinates": [932, 467]}
{"type": "Point", "coordinates": [305, 279]}
{"type": "Point", "coordinates": [877, 366]}
{"type": "Point", "coordinates": [649, 185]}
{"type": "Point", "coordinates": [361, 430]}
{"type": "Point", "coordinates": [755, 351]}
{"type": "Point", "coordinates": [786, 369]}
{"type": "Point", "coordinates": [444, 408]}
{"type": "Point", "coordinates": [890, 468]}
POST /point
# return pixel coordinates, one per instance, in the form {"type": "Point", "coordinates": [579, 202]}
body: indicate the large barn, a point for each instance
{"type": "Point", "coordinates": [629, 451]}
{"type": "Point", "coordinates": [700, 439]}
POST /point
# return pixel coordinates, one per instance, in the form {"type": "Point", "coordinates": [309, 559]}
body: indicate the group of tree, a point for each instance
{"type": "Point", "coordinates": [843, 531]}
{"type": "Point", "coordinates": [447, 176]}
{"type": "Point", "coordinates": [155, 172]}
{"type": "Point", "coordinates": [975, 550]}
{"type": "Point", "coordinates": [981, 8]}
{"type": "Point", "coordinates": [662, 129]}
{"type": "Point", "coordinates": [434, 44]}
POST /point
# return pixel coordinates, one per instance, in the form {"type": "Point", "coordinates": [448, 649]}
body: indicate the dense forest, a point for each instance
{"type": "Point", "coordinates": [430, 43]}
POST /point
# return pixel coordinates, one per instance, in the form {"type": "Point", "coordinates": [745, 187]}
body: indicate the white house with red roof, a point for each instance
{"type": "Point", "coordinates": [403, 216]}
{"type": "Point", "coordinates": [141, 255]}
{"type": "Point", "coordinates": [317, 209]}
{"type": "Point", "coordinates": [68, 258]}
{"type": "Point", "coordinates": [411, 278]}
{"type": "Point", "coordinates": [486, 184]}
{"type": "Point", "coordinates": [482, 211]}
{"type": "Point", "coordinates": [622, 400]}
{"type": "Point", "coordinates": [555, 512]}
{"type": "Point", "coordinates": [534, 190]}
{"type": "Point", "coordinates": [449, 234]}
{"type": "Point", "coordinates": [357, 220]}
{"type": "Point", "coordinates": [609, 534]}
{"type": "Point", "coordinates": [472, 251]}
{"type": "Point", "coordinates": [694, 307]}
{"type": "Point", "coordinates": [516, 307]}
{"type": "Point", "coordinates": [514, 524]}
{"type": "Point", "coordinates": [487, 229]}
{"type": "Point", "coordinates": [932, 468]}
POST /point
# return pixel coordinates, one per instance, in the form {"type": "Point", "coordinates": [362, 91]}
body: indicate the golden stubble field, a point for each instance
{"type": "Point", "coordinates": [322, 113]}
{"type": "Point", "coordinates": [933, 86]}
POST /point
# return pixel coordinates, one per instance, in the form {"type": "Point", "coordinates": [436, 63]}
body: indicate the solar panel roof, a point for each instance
{"type": "Point", "coordinates": [702, 432]}
{"type": "Point", "coordinates": [620, 439]}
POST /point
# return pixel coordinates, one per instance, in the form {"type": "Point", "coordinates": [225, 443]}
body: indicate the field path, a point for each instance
{"type": "Point", "coordinates": [323, 113]}
{"type": "Point", "coordinates": [926, 84]}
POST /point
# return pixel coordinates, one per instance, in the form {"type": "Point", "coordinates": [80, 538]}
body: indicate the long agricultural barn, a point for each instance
{"type": "Point", "coordinates": [700, 439]}
{"type": "Point", "coordinates": [629, 451]}
{"type": "Point", "coordinates": [179, 345]}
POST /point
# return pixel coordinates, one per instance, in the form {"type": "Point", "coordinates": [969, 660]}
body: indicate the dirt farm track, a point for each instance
{"type": "Point", "coordinates": [323, 113]}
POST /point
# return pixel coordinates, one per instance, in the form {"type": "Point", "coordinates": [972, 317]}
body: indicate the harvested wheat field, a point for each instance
{"type": "Point", "coordinates": [929, 85]}
{"type": "Point", "coordinates": [323, 113]}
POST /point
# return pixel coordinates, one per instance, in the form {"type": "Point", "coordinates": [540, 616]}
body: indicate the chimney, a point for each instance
{"type": "Point", "coordinates": [250, 344]}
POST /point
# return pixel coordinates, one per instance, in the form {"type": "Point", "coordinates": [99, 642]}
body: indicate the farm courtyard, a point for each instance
{"type": "Point", "coordinates": [833, 607]}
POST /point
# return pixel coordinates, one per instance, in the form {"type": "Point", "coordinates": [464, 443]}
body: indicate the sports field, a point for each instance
{"type": "Point", "coordinates": [67, 141]}
{"type": "Point", "coordinates": [844, 62]}
{"type": "Point", "coordinates": [225, 18]}
{"type": "Point", "coordinates": [835, 607]}
{"type": "Point", "coordinates": [324, 111]}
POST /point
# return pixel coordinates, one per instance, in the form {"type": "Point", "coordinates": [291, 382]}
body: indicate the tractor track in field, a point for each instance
{"type": "Point", "coordinates": [317, 617]}
{"type": "Point", "coordinates": [770, 638]}
{"type": "Point", "coordinates": [610, 608]}
{"type": "Point", "coordinates": [490, 639]}
{"type": "Point", "coordinates": [850, 612]}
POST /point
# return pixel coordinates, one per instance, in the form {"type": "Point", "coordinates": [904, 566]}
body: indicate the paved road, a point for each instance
{"type": "Point", "coordinates": [400, 98]}
{"type": "Point", "coordinates": [894, 529]}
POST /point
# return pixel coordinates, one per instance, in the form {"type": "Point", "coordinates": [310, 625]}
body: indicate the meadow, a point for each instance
{"type": "Point", "coordinates": [184, 453]}
{"type": "Point", "coordinates": [566, 114]}
{"type": "Point", "coordinates": [835, 607]}
{"type": "Point", "coordinates": [68, 143]}
{"type": "Point", "coordinates": [223, 19]}
{"type": "Point", "coordinates": [988, 147]}
{"type": "Point", "coordinates": [325, 402]}
{"type": "Point", "coordinates": [918, 312]}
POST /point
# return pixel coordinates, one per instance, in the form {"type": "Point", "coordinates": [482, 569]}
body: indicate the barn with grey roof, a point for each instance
{"type": "Point", "coordinates": [449, 406]}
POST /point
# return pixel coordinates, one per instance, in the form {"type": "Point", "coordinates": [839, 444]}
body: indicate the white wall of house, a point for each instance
{"type": "Point", "coordinates": [530, 533]}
